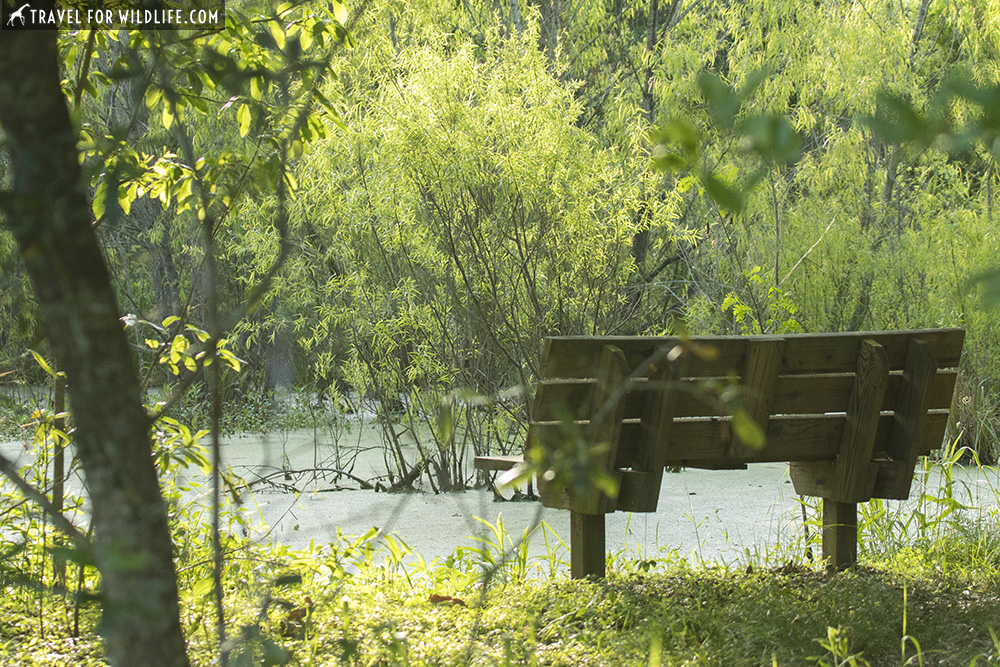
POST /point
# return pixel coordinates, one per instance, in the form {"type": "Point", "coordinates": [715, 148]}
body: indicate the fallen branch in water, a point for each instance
{"type": "Point", "coordinates": [287, 473]}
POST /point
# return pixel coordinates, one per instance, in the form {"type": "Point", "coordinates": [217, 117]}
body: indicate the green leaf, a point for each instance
{"type": "Point", "coordinates": [278, 33]}
{"type": "Point", "coordinates": [243, 118]}
{"type": "Point", "coordinates": [721, 99]}
{"type": "Point", "coordinates": [670, 162]}
{"type": "Point", "coordinates": [747, 430]}
{"type": "Point", "coordinates": [126, 195]}
{"type": "Point", "coordinates": [257, 88]}
{"type": "Point", "coordinates": [230, 359]}
{"type": "Point", "coordinates": [897, 121]}
{"type": "Point", "coordinates": [725, 196]}
{"type": "Point", "coordinates": [200, 334]}
{"type": "Point", "coordinates": [275, 654]}
{"type": "Point", "coordinates": [445, 423]}
{"type": "Point", "coordinates": [100, 197]}
{"type": "Point", "coordinates": [153, 95]}
{"type": "Point", "coordinates": [203, 587]}
{"type": "Point", "coordinates": [292, 579]}
{"type": "Point", "coordinates": [40, 360]}
{"type": "Point", "coordinates": [773, 138]}
{"type": "Point", "coordinates": [167, 116]}
{"type": "Point", "coordinates": [678, 131]}
{"type": "Point", "coordinates": [989, 284]}
{"type": "Point", "coordinates": [339, 11]}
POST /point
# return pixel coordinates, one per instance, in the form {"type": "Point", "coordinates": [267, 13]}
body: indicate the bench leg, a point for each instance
{"type": "Point", "coordinates": [840, 534]}
{"type": "Point", "coordinates": [586, 545]}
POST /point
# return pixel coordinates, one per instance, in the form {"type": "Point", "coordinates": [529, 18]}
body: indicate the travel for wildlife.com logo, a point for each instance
{"type": "Point", "coordinates": [95, 14]}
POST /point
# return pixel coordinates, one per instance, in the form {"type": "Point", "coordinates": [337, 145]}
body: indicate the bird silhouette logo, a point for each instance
{"type": "Point", "coordinates": [19, 14]}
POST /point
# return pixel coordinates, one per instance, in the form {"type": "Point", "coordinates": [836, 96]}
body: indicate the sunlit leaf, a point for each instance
{"type": "Point", "coordinates": [339, 11]}
{"type": "Point", "coordinates": [243, 118]}
{"type": "Point", "coordinates": [747, 430]}
{"type": "Point", "coordinates": [40, 360]}
{"type": "Point", "coordinates": [202, 587]}
{"type": "Point", "coordinates": [100, 197]}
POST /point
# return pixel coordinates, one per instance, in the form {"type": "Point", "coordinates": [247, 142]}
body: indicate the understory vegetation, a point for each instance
{"type": "Point", "coordinates": [783, 617]}
{"type": "Point", "coordinates": [334, 216]}
{"type": "Point", "coordinates": [926, 593]}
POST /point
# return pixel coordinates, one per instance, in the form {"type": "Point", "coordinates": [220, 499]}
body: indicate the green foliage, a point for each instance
{"type": "Point", "coordinates": [770, 311]}
{"type": "Point", "coordinates": [466, 178]}
{"type": "Point", "coordinates": [839, 655]}
{"type": "Point", "coordinates": [717, 616]}
{"type": "Point", "coordinates": [370, 598]}
{"type": "Point", "coordinates": [463, 218]}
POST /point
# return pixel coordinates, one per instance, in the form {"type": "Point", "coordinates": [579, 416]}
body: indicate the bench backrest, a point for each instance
{"type": "Point", "coordinates": [850, 411]}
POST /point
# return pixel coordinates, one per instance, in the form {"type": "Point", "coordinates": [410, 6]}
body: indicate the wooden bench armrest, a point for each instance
{"type": "Point", "coordinates": [487, 463]}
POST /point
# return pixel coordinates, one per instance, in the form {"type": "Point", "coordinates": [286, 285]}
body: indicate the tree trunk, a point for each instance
{"type": "Point", "coordinates": [48, 212]}
{"type": "Point", "coordinates": [640, 240]}
{"type": "Point", "coordinates": [515, 16]}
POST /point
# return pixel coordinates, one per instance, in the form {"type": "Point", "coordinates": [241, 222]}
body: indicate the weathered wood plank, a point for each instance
{"type": "Point", "coordinates": [634, 489]}
{"type": "Point", "coordinates": [604, 428]}
{"type": "Point", "coordinates": [793, 394]}
{"type": "Point", "coordinates": [799, 438]}
{"type": "Point", "coordinates": [655, 427]}
{"type": "Point", "coordinates": [571, 356]}
{"type": "Point", "coordinates": [757, 382]}
{"type": "Point", "coordinates": [707, 439]}
{"type": "Point", "coordinates": [853, 474]}
{"type": "Point", "coordinates": [854, 466]}
{"type": "Point", "coordinates": [910, 418]}
{"type": "Point", "coordinates": [608, 406]}
{"type": "Point", "coordinates": [819, 479]}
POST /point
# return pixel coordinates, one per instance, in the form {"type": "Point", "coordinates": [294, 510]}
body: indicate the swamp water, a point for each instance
{"type": "Point", "coordinates": [726, 516]}
{"type": "Point", "coordinates": [714, 515]}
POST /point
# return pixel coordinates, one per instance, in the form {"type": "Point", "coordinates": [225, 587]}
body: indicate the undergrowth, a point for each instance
{"type": "Point", "coordinates": [926, 592]}
{"type": "Point", "coordinates": [342, 606]}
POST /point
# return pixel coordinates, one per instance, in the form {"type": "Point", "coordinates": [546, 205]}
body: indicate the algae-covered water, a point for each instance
{"type": "Point", "coordinates": [293, 496]}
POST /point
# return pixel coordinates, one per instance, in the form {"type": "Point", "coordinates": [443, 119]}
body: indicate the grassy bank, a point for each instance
{"type": "Point", "coordinates": [902, 612]}
{"type": "Point", "coordinates": [370, 601]}
{"type": "Point", "coordinates": [927, 592]}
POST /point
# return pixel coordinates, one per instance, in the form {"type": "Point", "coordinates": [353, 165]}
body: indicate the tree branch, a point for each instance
{"type": "Point", "coordinates": [60, 521]}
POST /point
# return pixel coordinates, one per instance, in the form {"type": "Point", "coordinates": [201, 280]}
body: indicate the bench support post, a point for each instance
{"type": "Point", "coordinates": [840, 534]}
{"type": "Point", "coordinates": [586, 545]}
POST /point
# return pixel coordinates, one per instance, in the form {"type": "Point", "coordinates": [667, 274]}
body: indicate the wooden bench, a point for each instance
{"type": "Point", "coordinates": [850, 413]}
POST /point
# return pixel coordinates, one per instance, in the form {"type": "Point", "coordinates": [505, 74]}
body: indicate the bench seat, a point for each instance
{"type": "Point", "coordinates": [850, 412]}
